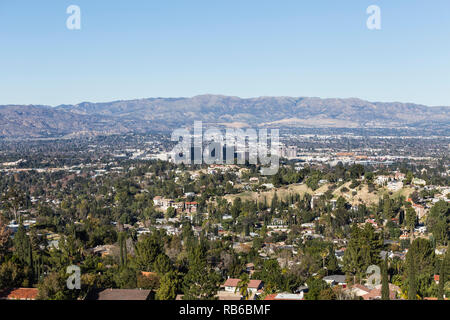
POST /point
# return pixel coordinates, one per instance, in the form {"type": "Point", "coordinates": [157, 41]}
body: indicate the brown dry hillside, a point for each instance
{"type": "Point", "coordinates": [362, 194]}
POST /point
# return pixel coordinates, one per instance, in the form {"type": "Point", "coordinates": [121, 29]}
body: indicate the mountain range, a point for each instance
{"type": "Point", "coordinates": [164, 114]}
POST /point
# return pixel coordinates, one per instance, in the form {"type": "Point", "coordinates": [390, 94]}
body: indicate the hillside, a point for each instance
{"type": "Point", "coordinates": [168, 113]}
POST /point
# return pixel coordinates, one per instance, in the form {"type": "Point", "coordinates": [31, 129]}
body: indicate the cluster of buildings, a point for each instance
{"type": "Point", "coordinates": [180, 207]}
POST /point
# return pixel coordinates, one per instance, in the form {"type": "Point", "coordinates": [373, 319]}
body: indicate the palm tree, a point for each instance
{"type": "Point", "coordinates": [242, 286]}
{"type": "Point", "coordinates": [324, 254]}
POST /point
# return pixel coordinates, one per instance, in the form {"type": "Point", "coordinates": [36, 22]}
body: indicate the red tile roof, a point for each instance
{"type": "Point", "coordinates": [149, 274]}
{"type": "Point", "coordinates": [254, 284]}
{"type": "Point", "coordinates": [361, 287]}
{"type": "Point", "coordinates": [20, 294]}
{"type": "Point", "coordinates": [376, 293]}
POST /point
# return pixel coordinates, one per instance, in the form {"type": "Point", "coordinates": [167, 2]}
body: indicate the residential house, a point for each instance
{"type": "Point", "coordinates": [191, 206]}
{"type": "Point", "coordinates": [231, 285]}
{"type": "Point", "coordinates": [394, 185]}
{"type": "Point", "coordinates": [250, 267]}
{"type": "Point", "coordinates": [336, 280]}
{"type": "Point", "coordinates": [103, 250]}
{"type": "Point", "coordinates": [399, 176]}
{"type": "Point", "coordinates": [381, 180]}
{"type": "Point", "coordinates": [366, 293]}
{"type": "Point", "coordinates": [157, 201]}
{"type": "Point", "coordinates": [420, 210]}
{"type": "Point", "coordinates": [419, 182]}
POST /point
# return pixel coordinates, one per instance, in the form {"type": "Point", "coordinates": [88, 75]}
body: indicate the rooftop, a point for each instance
{"type": "Point", "coordinates": [122, 294]}
{"type": "Point", "coordinates": [253, 284]}
{"type": "Point", "coordinates": [19, 294]}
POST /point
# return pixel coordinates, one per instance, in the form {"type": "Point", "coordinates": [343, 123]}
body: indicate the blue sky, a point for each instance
{"type": "Point", "coordinates": [139, 49]}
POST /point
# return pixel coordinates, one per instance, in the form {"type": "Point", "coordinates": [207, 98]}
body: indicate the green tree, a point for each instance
{"type": "Point", "coordinates": [22, 245]}
{"type": "Point", "coordinates": [168, 286]}
{"type": "Point", "coordinates": [412, 287]}
{"type": "Point", "coordinates": [171, 213]}
{"type": "Point", "coordinates": [324, 254]}
{"type": "Point", "coordinates": [387, 208]}
{"type": "Point", "coordinates": [362, 251]}
{"type": "Point", "coordinates": [441, 281]}
{"type": "Point", "coordinates": [315, 288]}
{"type": "Point", "coordinates": [147, 250]}
{"type": "Point", "coordinates": [54, 287]}
{"type": "Point", "coordinates": [148, 282]}
{"type": "Point", "coordinates": [271, 275]}
{"type": "Point", "coordinates": [200, 283]}
{"type": "Point", "coordinates": [11, 275]}
{"type": "Point", "coordinates": [14, 200]}
{"type": "Point", "coordinates": [332, 262]}
{"type": "Point", "coordinates": [123, 248]}
{"type": "Point", "coordinates": [4, 240]}
{"type": "Point", "coordinates": [410, 218]}
{"type": "Point", "coordinates": [162, 264]}
{"type": "Point", "coordinates": [313, 182]}
{"type": "Point", "coordinates": [409, 177]}
{"type": "Point", "coordinates": [424, 262]}
{"type": "Point", "coordinates": [438, 221]}
{"type": "Point", "coordinates": [126, 278]}
{"type": "Point", "coordinates": [229, 188]}
{"type": "Point", "coordinates": [384, 280]}
{"type": "Point", "coordinates": [274, 203]}
{"type": "Point", "coordinates": [242, 286]}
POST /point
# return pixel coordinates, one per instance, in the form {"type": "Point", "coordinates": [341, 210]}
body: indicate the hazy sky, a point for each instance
{"type": "Point", "coordinates": [167, 48]}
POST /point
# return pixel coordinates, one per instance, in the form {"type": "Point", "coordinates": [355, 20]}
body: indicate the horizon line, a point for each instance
{"type": "Point", "coordinates": [223, 95]}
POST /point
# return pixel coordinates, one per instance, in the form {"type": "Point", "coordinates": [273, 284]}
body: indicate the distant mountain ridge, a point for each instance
{"type": "Point", "coordinates": [158, 114]}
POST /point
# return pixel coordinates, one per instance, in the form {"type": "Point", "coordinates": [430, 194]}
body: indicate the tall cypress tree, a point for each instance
{"type": "Point", "coordinates": [21, 244]}
{"type": "Point", "coordinates": [200, 282]}
{"type": "Point", "coordinates": [125, 253]}
{"type": "Point", "coordinates": [332, 263]}
{"type": "Point", "coordinates": [441, 281]}
{"type": "Point", "coordinates": [30, 262]}
{"type": "Point", "coordinates": [121, 248]}
{"type": "Point", "coordinates": [412, 286]}
{"type": "Point", "coordinates": [384, 281]}
{"type": "Point", "coordinates": [274, 204]}
{"type": "Point", "coordinates": [37, 268]}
